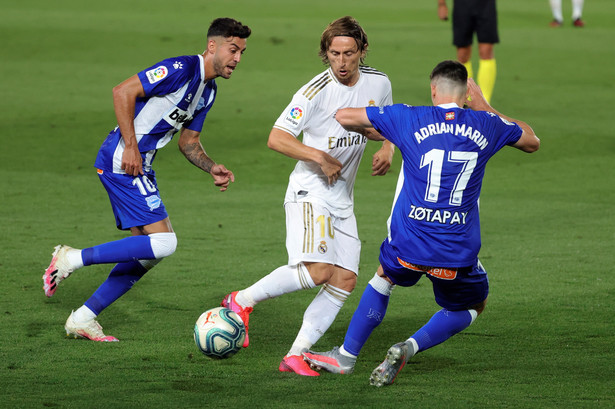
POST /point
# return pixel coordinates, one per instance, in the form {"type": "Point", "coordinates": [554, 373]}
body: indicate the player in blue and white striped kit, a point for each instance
{"type": "Point", "coordinates": [434, 228]}
{"type": "Point", "coordinates": [151, 106]}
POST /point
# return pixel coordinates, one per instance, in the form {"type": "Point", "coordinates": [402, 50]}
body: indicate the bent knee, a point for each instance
{"type": "Point", "coordinates": [343, 279]}
{"type": "Point", "coordinates": [320, 272]}
{"type": "Point", "coordinates": [480, 307]}
{"type": "Point", "coordinates": [163, 244]}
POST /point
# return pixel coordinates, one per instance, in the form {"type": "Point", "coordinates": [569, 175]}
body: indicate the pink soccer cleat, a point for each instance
{"type": "Point", "coordinates": [58, 270]}
{"type": "Point", "coordinates": [89, 330]}
{"type": "Point", "coordinates": [296, 364]}
{"type": "Point", "coordinates": [243, 312]}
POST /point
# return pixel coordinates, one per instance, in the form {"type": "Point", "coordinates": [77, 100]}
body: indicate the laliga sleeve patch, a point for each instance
{"type": "Point", "coordinates": [295, 115]}
{"type": "Point", "coordinates": [156, 74]}
{"type": "Point", "coordinates": [506, 121]}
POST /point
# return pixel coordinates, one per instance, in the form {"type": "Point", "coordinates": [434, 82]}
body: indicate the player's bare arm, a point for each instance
{"type": "Point", "coordinates": [191, 147]}
{"type": "Point", "coordinates": [124, 100]}
{"type": "Point", "coordinates": [356, 119]}
{"type": "Point", "coordinates": [383, 158]}
{"type": "Point", "coordinates": [287, 144]}
{"type": "Point", "coordinates": [528, 142]}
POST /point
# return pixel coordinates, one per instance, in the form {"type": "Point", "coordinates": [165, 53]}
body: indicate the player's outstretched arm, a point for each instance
{"type": "Point", "coordinates": [124, 101]}
{"type": "Point", "coordinates": [190, 145]}
{"type": "Point", "coordinates": [528, 142]}
{"type": "Point", "coordinates": [355, 119]}
{"type": "Point", "coordinates": [287, 144]}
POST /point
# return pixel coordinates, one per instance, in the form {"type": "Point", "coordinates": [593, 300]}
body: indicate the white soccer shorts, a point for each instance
{"type": "Point", "coordinates": [314, 235]}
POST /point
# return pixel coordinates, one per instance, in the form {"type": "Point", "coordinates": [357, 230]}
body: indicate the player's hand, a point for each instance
{"type": "Point", "coordinates": [222, 176]}
{"type": "Point", "coordinates": [381, 161]}
{"type": "Point", "coordinates": [476, 100]}
{"type": "Point", "coordinates": [331, 167]}
{"type": "Point", "coordinates": [132, 163]}
{"type": "Point", "coordinates": [442, 12]}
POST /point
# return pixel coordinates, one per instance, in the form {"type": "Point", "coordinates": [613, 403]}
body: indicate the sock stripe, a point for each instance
{"type": "Point", "coordinates": [305, 280]}
{"type": "Point", "coordinates": [335, 292]}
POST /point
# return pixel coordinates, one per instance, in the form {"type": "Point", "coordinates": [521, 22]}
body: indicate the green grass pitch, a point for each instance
{"type": "Point", "coordinates": [546, 339]}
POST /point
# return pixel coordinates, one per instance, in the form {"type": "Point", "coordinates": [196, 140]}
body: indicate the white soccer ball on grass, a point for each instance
{"type": "Point", "coordinates": [219, 333]}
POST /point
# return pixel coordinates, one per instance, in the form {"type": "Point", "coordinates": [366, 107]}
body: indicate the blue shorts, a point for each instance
{"type": "Point", "coordinates": [454, 289]}
{"type": "Point", "coordinates": [135, 200]}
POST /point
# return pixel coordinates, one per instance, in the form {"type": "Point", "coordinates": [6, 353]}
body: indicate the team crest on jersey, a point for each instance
{"type": "Point", "coordinates": [156, 74]}
{"type": "Point", "coordinates": [322, 247]}
{"type": "Point", "coordinates": [153, 202]}
{"type": "Point", "coordinates": [200, 104]}
{"type": "Point", "coordinates": [450, 116]}
{"type": "Point", "coordinates": [294, 115]}
{"type": "Point", "coordinates": [372, 103]}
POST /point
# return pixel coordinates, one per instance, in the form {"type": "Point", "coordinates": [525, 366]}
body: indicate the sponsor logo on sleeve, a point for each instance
{"type": "Point", "coordinates": [295, 115]}
{"type": "Point", "coordinates": [156, 74]}
{"type": "Point", "coordinates": [506, 122]}
{"type": "Point", "coordinates": [502, 119]}
{"type": "Point", "coordinates": [178, 65]}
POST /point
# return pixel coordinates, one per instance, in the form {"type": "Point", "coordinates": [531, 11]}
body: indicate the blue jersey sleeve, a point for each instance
{"type": "Point", "coordinates": [388, 120]}
{"type": "Point", "coordinates": [166, 77]}
{"type": "Point", "coordinates": [508, 132]}
{"type": "Point", "coordinates": [203, 107]}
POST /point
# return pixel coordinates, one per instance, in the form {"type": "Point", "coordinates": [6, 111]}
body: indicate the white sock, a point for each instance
{"type": "Point", "coordinates": [74, 258]}
{"type": "Point", "coordinates": [556, 9]}
{"type": "Point", "coordinates": [415, 345]}
{"type": "Point", "coordinates": [83, 314]}
{"type": "Point", "coordinates": [163, 244]}
{"type": "Point", "coordinates": [381, 285]}
{"type": "Point", "coordinates": [346, 353]}
{"type": "Point", "coordinates": [282, 280]}
{"type": "Point", "coordinates": [149, 264]}
{"type": "Point", "coordinates": [318, 317]}
{"type": "Point", "coordinates": [577, 9]}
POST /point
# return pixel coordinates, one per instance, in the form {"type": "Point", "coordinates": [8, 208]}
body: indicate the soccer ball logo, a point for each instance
{"type": "Point", "coordinates": [296, 113]}
{"type": "Point", "coordinates": [219, 333]}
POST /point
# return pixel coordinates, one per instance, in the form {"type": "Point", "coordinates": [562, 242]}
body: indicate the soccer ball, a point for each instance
{"type": "Point", "coordinates": [219, 333]}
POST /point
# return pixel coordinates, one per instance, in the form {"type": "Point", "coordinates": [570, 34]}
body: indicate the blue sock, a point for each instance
{"type": "Point", "coordinates": [121, 279]}
{"type": "Point", "coordinates": [443, 325]}
{"type": "Point", "coordinates": [119, 251]}
{"type": "Point", "coordinates": [367, 316]}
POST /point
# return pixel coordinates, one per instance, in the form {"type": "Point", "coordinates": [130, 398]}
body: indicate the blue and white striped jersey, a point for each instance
{"type": "Point", "coordinates": [176, 96]}
{"type": "Point", "coordinates": [445, 149]}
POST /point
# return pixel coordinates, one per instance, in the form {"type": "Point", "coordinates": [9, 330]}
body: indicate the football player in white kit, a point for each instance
{"type": "Point", "coordinates": [322, 239]}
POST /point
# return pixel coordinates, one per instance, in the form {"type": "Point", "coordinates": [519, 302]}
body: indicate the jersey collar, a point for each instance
{"type": "Point", "coordinates": [449, 105]}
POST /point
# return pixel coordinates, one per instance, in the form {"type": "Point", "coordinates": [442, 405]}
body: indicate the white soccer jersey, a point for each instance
{"type": "Point", "coordinates": [312, 111]}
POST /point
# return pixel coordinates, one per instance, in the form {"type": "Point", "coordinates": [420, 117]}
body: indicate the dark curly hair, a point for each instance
{"type": "Point", "coordinates": [228, 27]}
